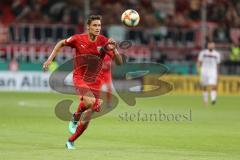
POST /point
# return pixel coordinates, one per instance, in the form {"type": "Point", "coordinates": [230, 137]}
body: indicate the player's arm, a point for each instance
{"type": "Point", "coordinates": [199, 62]}
{"type": "Point", "coordinates": [117, 57]}
{"type": "Point", "coordinates": [218, 63]}
{"type": "Point", "coordinates": [54, 53]}
{"type": "Point", "coordinates": [111, 45]}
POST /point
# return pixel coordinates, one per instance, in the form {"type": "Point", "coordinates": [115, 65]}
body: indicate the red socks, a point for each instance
{"type": "Point", "coordinates": [81, 126]}
{"type": "Point", "coordinates": [78, 113]}
{"type": "Point", "coordinates": [80, 129]}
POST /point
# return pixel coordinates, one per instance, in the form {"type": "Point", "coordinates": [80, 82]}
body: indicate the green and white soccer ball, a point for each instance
{"type": "Point", "coordinates": [130, 18]}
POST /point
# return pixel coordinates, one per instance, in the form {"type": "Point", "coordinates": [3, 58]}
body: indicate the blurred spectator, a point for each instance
{"type": "Point", "coordinates": [235, 52]}
{"type": "Point", "coordinates": [216, 12]}
{"type": "Point", "coordinates": [194, 12]}
{"type": "Point", "coordinates": [169, 23]}
{"type": "Point", "coordinates": [20, 8]}
{"type": "Point", "coordinates": [6, 15]}
{"type": "Point", "coordinates": [221, 34]}
{"type": "Point", "coordinates": [232, 18]}
{"type": "Point", "coordinates": [56, 11]}
{"type": "Point", "coordinates": [234, 58]}
{"type": "Point", "coordinates": [168, 13]}
{"type": "Point", "coordinates": [155, 53]}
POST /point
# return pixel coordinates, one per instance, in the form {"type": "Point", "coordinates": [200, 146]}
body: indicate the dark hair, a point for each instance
{"type": "Point", "coordinates": [93, 17]}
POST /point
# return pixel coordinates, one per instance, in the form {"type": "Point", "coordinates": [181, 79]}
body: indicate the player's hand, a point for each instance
{"type": "Point", "coordinates": [46, 64]}
{"type": "Point", "coordinates": [111, 45]}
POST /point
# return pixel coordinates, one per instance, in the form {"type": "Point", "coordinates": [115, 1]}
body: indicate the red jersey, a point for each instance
{"type": "Point", "coordinates": [106, 68]}
{"type": "Point", "coordinates": [89, 58]}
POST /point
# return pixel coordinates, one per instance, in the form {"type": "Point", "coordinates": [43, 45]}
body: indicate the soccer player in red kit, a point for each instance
{"type": "Point", "coordinates": [87, 79]}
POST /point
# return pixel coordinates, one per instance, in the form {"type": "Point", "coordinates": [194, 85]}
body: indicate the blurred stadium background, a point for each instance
{"type": "Point", "coordinates": [171, 32]}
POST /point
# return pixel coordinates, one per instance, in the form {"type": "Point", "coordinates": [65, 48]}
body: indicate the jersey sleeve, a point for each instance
{"type": "Point", "coordinates": [104, 41]}
{"type": "Point", "coordinates": [71, 41]}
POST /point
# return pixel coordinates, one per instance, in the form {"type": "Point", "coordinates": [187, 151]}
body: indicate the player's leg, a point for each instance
{"type": "Point", "coordinates": [76, 116]}
{"type": "Point", "coordinates": [108, 82]}
{"type": "Point", "coordinates": [82, 125]}
{"type": "Point", "coordinates": [205, 94]}
{"type": "Point", "coordinates": [90, 101]}
{"type": "Point", "coordinates": [213, 94]}
{"type": "Point", "coordinates": [213, 87]}
{"type": "Point", "coordinates": [109, 93]}
{"type": "Point", "coordinates": [204, 86]}
{"type": "Point", "coordinates": [81, 89]}
{"type": "Point", "coordinates": [80, 109]}
{"type": "Point", "coordinates": [84, 120]}
{"type": "Point", "coordinates": [86, 99]}
{"type": "Point", "coordinates": [92, 104]}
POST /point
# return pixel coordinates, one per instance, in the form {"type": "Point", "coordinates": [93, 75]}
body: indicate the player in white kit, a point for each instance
{"type": "Point", "coordinates": [208, 66]}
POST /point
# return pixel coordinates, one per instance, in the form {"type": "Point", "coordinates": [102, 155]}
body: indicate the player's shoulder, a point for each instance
{"type": "Point", "coordinates": [203, 51]}
{"type": "Point", "coordinates": [82, 35]}
{"type": "Point", "coordinates": [73, 37]}
{"type": "Point", "coordinates": [102, 37]}
{"type": "Point", "coordinates": [216, 53]}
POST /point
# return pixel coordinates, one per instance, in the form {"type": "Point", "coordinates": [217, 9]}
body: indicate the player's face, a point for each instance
{"type": "Point", "coordinates": [211, 46]}
{"type": "Point", "coordinates": [95, 27]}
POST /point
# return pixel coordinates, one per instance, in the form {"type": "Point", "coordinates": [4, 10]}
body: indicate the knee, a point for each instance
{"type": "Point", "coordinates": [88, 101]}
{"type": "Point", "coordinates": [86, 116]}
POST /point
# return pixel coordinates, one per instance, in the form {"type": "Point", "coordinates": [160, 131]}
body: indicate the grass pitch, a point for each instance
{"type": "Point", "coordinates": [29, 130]}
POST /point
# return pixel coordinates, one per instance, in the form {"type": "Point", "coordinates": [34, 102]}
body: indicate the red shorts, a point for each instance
{"type": "Point", "coordinates": [83, 88]}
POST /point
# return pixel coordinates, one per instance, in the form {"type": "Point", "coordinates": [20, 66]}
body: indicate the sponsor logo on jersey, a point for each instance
{"type": "Point", "coordinates": [99, 48]}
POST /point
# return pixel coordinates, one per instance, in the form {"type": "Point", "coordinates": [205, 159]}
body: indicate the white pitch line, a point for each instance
{"type": "Point", "coordinates": [23, 103]}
